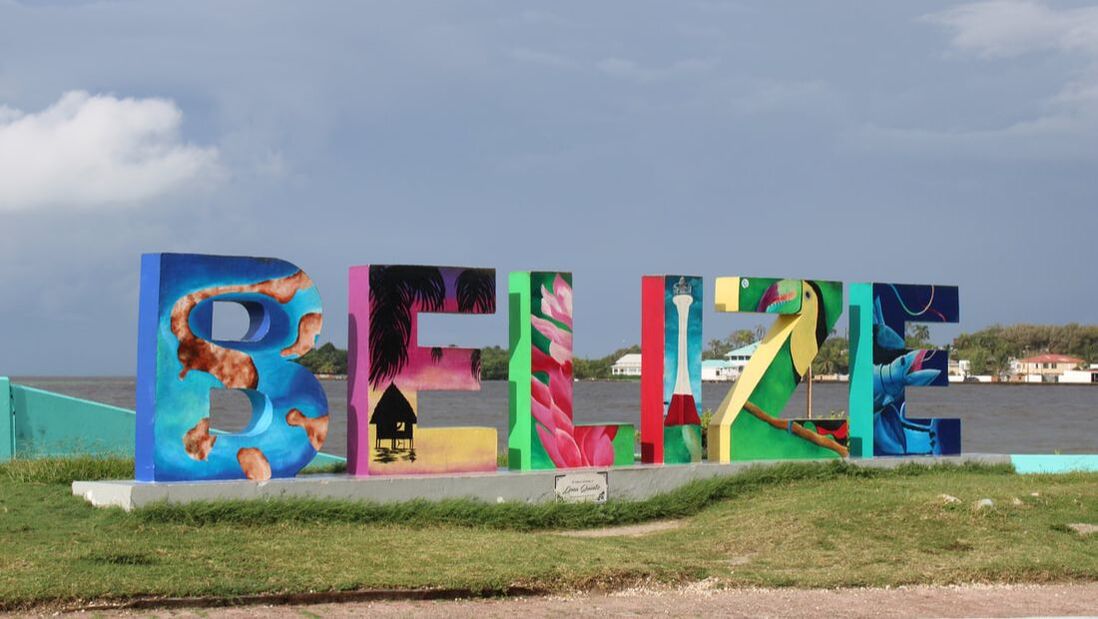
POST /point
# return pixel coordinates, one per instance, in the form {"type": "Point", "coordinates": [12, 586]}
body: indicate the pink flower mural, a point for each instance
{"type": "Point", "coordinates": [568, 446]}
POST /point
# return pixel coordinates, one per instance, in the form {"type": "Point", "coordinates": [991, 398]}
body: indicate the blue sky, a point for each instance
{"type": "Point", "coordinates": [950, 143]}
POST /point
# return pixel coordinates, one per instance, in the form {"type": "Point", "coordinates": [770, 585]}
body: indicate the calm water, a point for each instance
{"type": "Point", "coordinates": [996, 418]}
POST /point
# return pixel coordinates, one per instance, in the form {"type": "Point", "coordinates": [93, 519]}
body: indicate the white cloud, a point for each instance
{"type": "Point", "coordinates": [548, 59]}
{"type": "Point", "coordinates": [629, 70]}
{"type": "Point", "coordinates": [1010, 28]}
{"type": "Point", "coordinates": [1066, 120]}
{"type": "Point", "coordinates": [89, 151]}
{"type": "Point", "coordinates": [1005, 28]}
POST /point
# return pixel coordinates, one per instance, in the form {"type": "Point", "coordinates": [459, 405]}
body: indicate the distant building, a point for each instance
{"type": "Point", "coordinates": [1080, 377]}
{"type": "Point", "coordinates": [718, 370]}
{"type": "Point", "coordinates": [737, 359]}
{"type": "Point", "coordinates": [627, 365]}
{"type": "Point", "coordinates": [1045, 368]}
{"type": "Point", "coordinates": [959, 370]}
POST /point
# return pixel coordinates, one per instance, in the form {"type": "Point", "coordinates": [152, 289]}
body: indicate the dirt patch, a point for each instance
{"type": "Point", "coordinates": [707, 598]}
{"type": "Point", "coordinates": [632, 530]}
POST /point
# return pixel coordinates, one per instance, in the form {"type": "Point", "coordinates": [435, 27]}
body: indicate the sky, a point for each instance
{"type": "Point", "coordinates": [929, 142]}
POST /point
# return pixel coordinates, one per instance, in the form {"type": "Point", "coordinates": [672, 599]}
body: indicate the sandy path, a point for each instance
{"type": "Point", "coordinates": [702, 600]}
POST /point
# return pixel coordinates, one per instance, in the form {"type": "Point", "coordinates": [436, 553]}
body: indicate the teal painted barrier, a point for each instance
{"type": "Point", "coordinates": [43, 424]}
{"type": "Point", "coordinates": [1047, 463]}
{"type": "Point", "coordinates": [7, 424]}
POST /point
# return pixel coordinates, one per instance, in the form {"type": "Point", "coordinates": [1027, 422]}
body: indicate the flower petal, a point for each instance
{"type": "Point", "coordinates": [549, 442]}
{"type": "Point", "coordinates": [563, 292]}
{"type": "Point", "coordinates": [560, 386]}
{"type": "Point", "coordinates": [561, 339]}
{"type": "Point", "coordinates": [541, 362]}
{"type": "Point", "coordinates": [569, 451]}
{"type": "Point", "coordinates": [597, 444]}
{"type": "Point", "coordinates": [543, 414]}
{"type": "Point", "coordinates": [560, 353]}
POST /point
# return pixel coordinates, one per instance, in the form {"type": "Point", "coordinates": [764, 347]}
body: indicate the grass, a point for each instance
{"type": "Point", "coordinates": [792, 525]}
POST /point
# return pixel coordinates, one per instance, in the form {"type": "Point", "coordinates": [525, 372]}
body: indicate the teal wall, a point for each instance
{"type": "Point", "coordinates": [1042, 463]}
{"type": "Point", "coordinates": [7, 424]}
{"type": "Point", "coordinates": [42, 424]}
{"type": "Point", "coordinates": [49, 424]}
{"type": "Point", "coordinates": [861, 371]}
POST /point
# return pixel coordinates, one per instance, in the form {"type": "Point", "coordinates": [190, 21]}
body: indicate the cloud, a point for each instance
{"type": "Point", "coordinates": [1006, 28]}
{"type": "Point", "coordinates": [96, 151]}
{"type": "Point", "coordinates": [629, 70]}
{"type": "Point", "coordinates": [1059, 124]}
{"type": "Point", "coordinates": [548, 59]}
{"type": "Point", "coordinates": [1011, 28]}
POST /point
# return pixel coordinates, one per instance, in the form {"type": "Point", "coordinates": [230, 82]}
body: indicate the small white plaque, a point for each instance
{"type": "Point", "coordinates": [583, 487]}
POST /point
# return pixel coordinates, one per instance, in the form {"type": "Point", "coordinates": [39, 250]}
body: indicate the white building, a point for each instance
{"type": "Point", "coordinates": [729, 368]}
{"type": "Point", "coordinates": [1079, 377]}
{"type": "Point", "coordinates": [737, 359]}
{"type": "Point", "coordinates": [718, 370]}
{"type": "Point", "coordinates": [628, 365]}
{"type": "Point", "coordinates": [959, 370]}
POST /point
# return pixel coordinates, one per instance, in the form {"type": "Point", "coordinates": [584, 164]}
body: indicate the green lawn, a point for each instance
{"type": "Point", "coordinates": [796, 525]}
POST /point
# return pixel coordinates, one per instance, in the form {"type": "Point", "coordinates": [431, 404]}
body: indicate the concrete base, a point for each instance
{"type": "Point", "coordinates": [627, 482]}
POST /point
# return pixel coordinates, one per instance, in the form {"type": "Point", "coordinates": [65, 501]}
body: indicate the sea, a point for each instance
{"type": "Point", "coordinates": [995, 418]}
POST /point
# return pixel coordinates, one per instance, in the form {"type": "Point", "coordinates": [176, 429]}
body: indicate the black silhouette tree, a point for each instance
{"type": "Point", "coordinates": [476, 292]}
{"type": "Point", "coordinates": [393, 291]}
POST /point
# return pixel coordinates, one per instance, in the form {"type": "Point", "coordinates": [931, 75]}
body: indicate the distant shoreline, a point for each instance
{"type": "Point", "coordinates": [343, 377]}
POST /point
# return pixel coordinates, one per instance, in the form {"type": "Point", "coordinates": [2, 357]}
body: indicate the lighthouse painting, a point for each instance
{"type": "Point", "coordinates": [682, 409]}
{"type": "Point", "coordinates": [671, 334]}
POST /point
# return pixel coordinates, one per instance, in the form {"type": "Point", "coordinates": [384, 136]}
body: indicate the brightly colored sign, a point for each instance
{"type": "Point", "coordinates": [180, 361]}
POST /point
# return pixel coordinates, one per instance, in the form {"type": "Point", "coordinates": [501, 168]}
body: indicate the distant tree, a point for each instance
{"type": "Point", "coordinates": [601, 367]}
{"type": "Point", "coordinates": [917, 336]}
{"type": "Point", "coordinates": [991, 349]}
{"type": "Point", "coordinates": [833, 358]}
{"type": "Point", "coordinates": [717, 349]}
{"type": "Point", "coordinates": [493, 363]}
{"type": "Point", "coordinates": [325, 360]}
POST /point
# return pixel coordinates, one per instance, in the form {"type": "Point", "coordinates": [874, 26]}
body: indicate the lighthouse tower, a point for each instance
{"type": "Point", "coordinates": [682, 409]}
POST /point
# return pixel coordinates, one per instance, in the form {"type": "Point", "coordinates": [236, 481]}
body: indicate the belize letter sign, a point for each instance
{"type": "Point", "coordinates": [180, 361]}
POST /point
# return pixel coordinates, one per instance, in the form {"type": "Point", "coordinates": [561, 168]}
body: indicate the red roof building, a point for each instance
{"type": "Point", "coordinates": [1048, 366]}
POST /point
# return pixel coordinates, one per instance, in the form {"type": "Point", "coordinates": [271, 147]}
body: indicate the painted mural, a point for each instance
{"type": "Point", "coordinates": [671, 345]}
{"type": "Point", "coordinates": [542, 432]}
{"type": "Point", "coordinates": [388, 369]}
{"type": "Point", "coordinates": [896, 367]}
{"type": "Point", "coordinates": [747, 425]}
{"type": "Point", "coordinates": [179, 362]}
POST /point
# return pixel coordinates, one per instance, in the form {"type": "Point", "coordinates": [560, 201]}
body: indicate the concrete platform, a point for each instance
{"type": "Point", "coordinates": [628, 482]}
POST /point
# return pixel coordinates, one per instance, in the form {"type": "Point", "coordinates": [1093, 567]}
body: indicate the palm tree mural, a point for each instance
{"type": "Point", "coordinates": [476, 293]}
{"type": "Point", "coordinates": [396, 292]}
{"type": "Point", "coordinates": [393, 291]}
